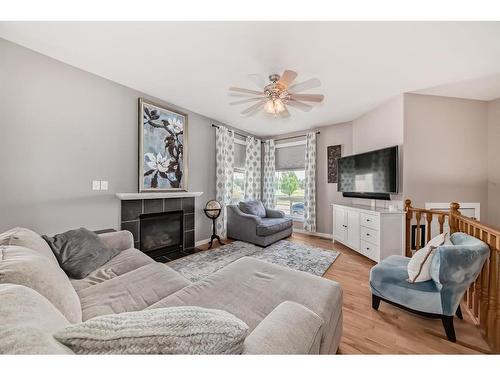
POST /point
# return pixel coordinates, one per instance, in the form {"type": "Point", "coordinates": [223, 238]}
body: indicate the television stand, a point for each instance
{"type": "Point", "coordinates": [371, 231]}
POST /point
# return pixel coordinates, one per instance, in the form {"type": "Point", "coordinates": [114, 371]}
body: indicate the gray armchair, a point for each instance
{"type": "Point", "coordinates": [251, 222]}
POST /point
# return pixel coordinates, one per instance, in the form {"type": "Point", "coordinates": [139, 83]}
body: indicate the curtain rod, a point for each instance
{"type": "Point", "coordinates": [277, 139]}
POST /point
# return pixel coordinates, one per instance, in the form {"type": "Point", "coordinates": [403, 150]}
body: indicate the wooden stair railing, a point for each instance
{"type": "Point", "coordinates": [482, 298]}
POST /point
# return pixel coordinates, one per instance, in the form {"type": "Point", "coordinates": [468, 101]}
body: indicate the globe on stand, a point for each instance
{"type": "Point", "coordinates": [213, 209]}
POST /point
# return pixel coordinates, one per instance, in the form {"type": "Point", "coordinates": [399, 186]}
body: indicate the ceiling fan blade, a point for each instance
{"type": "Point", "coordinates": [299, 105]}
{"type": "Point", "coordinates": [308, 97]}
{"type": "Point", "coordinates": [284, 113]}
{"type": "Point", "coordinates": [258, 80]}
{"type": "Point", "coordinates": [245, 101]}
{"type": "Point", "coordinates": [287, 77]}
{"type": "Point", "coordinates": [246, 91]}
{"type": "Point", "coordinates": [306, 85]}
{"type": "Point", "coordinates": [254, 108]}
{"type": "Point", "coordinates": [241, 95]}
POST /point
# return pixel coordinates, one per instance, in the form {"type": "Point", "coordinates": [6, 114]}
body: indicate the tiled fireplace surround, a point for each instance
{"type": "Point", "coordinates": [132, 209]}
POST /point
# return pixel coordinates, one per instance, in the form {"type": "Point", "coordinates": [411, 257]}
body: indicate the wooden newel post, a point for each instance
{"type": "Point", "coordinates": [454, 206]}
{"type": "Point", "coordinates": [409, 215]}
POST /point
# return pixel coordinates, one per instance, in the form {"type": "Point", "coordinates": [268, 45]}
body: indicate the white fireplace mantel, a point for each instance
{"type": "Point", "coordinates": [174, 194]}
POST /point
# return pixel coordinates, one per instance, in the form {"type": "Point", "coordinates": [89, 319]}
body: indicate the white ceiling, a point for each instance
{"type": "Point", "coordinates": [483, 88]}
{"type": "Point", "coordinates": [192, 64]}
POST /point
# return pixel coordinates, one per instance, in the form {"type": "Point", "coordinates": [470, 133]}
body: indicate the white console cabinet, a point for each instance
{"type": "Point", "coordinates": [374, 232]}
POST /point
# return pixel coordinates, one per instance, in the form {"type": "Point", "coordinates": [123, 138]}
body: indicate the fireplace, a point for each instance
{"type": "Point", "coordinates": [135, 206]}
{"type": "Point", "coordinates": [162, 234]}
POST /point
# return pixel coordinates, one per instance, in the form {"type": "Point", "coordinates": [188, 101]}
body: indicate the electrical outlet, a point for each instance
{"type": "Point", "coordinates": [104, 185]}
{"type": "Point", "coordinates": [96, 185]}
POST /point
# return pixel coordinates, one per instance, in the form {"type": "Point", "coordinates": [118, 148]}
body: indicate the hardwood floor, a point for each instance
{"type": "Point", "coordinates": [388, 330]}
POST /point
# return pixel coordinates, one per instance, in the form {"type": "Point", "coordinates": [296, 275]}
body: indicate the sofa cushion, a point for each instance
{"type": "Point", "coordinates": [131, 291]}
{"type": "Point", "coordinates": [250, 289]}
{"type": "Point", "coordinates": [389, 280]}
{"type": "Point", "coordinates": [126, 261]}
{"type": "Point", "coordinates": [27, 322]}
{"type": "Point", "coordinates": [253, 207]}
{"type": "Point", "coordinates": [290, 328]}
{"type": "Point", "coordinates": [27, 238]}
{"type": "Point", "coordinates": [19, 265]}
{"type": "Point", "coordinates": [80, 251]}
{"type": "Point", "coordinates": [271, 226]}
{"type": "Point", "coordinates": [175, 330]}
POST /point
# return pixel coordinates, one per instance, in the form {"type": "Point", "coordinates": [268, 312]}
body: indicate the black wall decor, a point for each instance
{"type": "Point", "coordinates": [333, 153]}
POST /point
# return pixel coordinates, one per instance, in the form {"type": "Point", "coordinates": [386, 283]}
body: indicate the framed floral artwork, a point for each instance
{"type": "Point", "coordinates": [333, 153]}
{"type": "Point", "coordinates": [162, 148]}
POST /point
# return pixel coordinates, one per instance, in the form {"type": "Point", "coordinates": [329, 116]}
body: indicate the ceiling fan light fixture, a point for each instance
{"type": "Point", "coordinates": [274, 106]}
{"type": "Point", "coordinates": [279, 94]}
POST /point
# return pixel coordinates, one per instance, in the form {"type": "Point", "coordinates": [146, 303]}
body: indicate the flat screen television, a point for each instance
{"type": "Point", "coordinates": [372, 175]}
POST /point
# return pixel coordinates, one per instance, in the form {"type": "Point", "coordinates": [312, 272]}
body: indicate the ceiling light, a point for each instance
{"type": "Point", "coordinates": [274, 106]}
{"type": "Point", "coordinates": [275, 97]}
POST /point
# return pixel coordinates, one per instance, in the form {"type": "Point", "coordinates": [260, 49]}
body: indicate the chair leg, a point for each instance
{"type": "Point", "coordinates": [459, 313]}
{"type": "Point", "coordinates": [449, 328]}
{"type": "Point", "coordinates": [375, 302]}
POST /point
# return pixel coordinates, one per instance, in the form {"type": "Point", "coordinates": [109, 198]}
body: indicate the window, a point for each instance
{"type": "Point", "coordinates": [290, 178]}
{"type": "Point", "coordinates": [238, 185]}
{"type": "Point", "coordinates": [290, 192]}
{"type": "Point", "coordinates": [239, 171]}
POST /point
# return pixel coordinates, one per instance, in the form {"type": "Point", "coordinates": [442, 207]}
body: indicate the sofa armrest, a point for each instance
{"type": "Point", "coordinates": [121, 240]}
{"type": "Point", "coordinates": [274, 213]}
{"type": "Point", "coordinates": [236, 214]}
{"type": "Point", "coordinates": [290, 328]}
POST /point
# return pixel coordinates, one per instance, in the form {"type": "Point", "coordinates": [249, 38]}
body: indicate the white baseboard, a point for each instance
{"type": "Point", "coordinates": [201, 242]}
{"type": "Point", "coordinates": [315, 234]}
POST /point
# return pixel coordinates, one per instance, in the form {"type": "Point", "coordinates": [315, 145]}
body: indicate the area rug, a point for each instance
{"type": "Point", "coordinates": [296, 256]}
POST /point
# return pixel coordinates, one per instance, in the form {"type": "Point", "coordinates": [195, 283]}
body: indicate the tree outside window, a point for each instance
{"type": "Point", "coordinates": [290, 192]}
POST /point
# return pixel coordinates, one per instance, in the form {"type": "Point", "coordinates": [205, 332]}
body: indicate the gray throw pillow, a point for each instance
{"type": "Point", "coordinates": [253, 207]}
{"type": "Point", "coordinates": [170, 330]}
{"type": "Point", "coordinates": [80, 251]}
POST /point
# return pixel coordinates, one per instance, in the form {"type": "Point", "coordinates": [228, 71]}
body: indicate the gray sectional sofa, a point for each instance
{"type": "Point", "coordinates": [287, 311]}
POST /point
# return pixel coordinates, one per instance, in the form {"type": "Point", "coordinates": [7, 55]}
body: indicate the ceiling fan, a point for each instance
{"type": "Point", "coordinates": [277, 95]}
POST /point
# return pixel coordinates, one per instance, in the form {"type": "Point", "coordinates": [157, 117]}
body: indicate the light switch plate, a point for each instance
{"type": "Point", "coordinates": [96, 185]}
{"type": "Point", "coordinates": [104, 185]}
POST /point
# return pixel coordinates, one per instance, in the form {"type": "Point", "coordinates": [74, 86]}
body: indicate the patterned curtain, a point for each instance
{"type": "Point", "coordinates": [252, 169]}
{"type": "Point", "coordinates": [310, 183]}
{"type": "Point", "coordinates": [224, 159]}
{"type": "Point", "coordinates": [269, 185]}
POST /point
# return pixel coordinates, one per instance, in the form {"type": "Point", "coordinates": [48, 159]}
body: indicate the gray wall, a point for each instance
{"type": "Point", "coordinates": [379, 128]}
{"type": "Point", "coordinates": [493, 163]}
{"type": "Point", "coordinates": [327, 194]}
{"type": "Point", "coordinates": [445, 141]}
{"type": "Point", "coordinates": [60, 128]}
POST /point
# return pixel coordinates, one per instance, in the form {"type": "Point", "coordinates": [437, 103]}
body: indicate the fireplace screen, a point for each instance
{"type": "Point", "coordinates": [162, 232]}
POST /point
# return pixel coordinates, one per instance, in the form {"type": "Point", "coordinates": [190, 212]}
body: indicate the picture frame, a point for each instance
{"type": "Point", "coordinates": [163, 148]}
{"type": "Point", "coordinates": [333, 153]}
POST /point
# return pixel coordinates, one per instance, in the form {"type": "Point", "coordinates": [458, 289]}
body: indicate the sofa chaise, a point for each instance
{"type": "Point", "coordinates": [287, 311]}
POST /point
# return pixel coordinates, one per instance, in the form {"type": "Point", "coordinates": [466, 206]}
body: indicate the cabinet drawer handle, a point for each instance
{"type": "Point", "coordinates": [367, 248]}
{"type": "Point", "coordinates": [368, 234]}
{"type": "Point", "coordinates": [367, 219]}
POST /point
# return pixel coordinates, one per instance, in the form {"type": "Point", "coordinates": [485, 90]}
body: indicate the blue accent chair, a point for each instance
{"type": "Point", "coordinates": [453, 269]}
